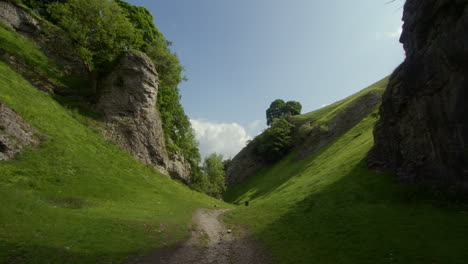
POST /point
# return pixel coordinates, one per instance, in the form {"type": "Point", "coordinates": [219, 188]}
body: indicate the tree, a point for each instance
{"type": "Point", "coordinates": [276, 110]}
{"type": "Point", "coordinates": [214, 168]}
{"type": "Point", "coordinates": [275, 142]}
{"type": "Point", "coordinates": [279, 109]}
{"type": "Point", "coordinates": [227, 163]}
{"type": "Point", "coordinates": [210, 178]}
{"type": "Point", "coordinates": [293, 108]}
{"type": "Point", "coordinates": [142, 19]}
{"type": "Point", "coordinates": [100, 31]}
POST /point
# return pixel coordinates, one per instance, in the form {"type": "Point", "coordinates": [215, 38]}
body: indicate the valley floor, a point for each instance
{"type": "Point", "coordinates": [210, 242]}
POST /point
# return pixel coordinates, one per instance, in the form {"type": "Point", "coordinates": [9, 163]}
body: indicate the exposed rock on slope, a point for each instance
{"type": "Point", "coordinates": [423, 133]}
{"type": "Point", "coordinates": [49, 39]}
{"type": "Point", "coordinates": [346, 119]}
{"type": "Point", "coordinates": [244, 165]}
{"type": "Point", "coordinates": [18, 19]}
{"type": "Point", "coordinates": [127, 100]}
{"type": "Point", "coordinates": [15, 133]}
{"type": "Point", "coordinates": [128, 103]}
{"type": "Point", "coordinates": [309, 136]}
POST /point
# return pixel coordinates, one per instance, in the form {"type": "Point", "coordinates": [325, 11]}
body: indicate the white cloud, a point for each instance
{"type": "Point", "coordinates": [225, 139]}
{"type": "Point", "coordinates": [254, 125]}
{"type": "Point", "coordinates": [390, 35]}
{"type": "Point", "coordinates": [324, 105]}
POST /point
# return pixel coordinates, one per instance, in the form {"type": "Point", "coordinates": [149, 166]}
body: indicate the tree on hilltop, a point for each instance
{"type": "Point", "coordinates": [280, 109]}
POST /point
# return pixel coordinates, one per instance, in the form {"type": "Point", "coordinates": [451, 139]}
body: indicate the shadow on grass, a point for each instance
{"type": "Point", "coordinates": [77, 107]}
{"type": "Point", "coordinates": [365, 218]}
{"type": "Point", "coordinates": [39, 254]}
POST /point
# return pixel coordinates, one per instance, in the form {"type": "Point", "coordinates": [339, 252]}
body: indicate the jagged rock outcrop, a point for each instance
{"type": "Point", "coordinates": [423, 135]}
{"type": "Point", "coordinates": [305, 143]}
{"type": "Point", "coordinates": [127, 101]}
{"type": "Point", "coordinates": [18, 19]}
{"type": "Point", "coordinates": [15, 133]}
{"type": "Point", "coordinates": [50, 39]}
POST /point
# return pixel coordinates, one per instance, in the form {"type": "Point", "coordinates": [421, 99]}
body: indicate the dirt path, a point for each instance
{"type": "Point", "coordinates": [210, 243]}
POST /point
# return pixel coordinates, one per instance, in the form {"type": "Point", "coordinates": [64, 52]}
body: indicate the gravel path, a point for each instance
{"type": "Point", "coordinates": [210, 243]}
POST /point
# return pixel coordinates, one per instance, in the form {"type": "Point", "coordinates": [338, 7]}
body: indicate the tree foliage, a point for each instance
{"type": "Point", "coordinates": [293, 108]}
{"type": "Point", "coordinates": [280, 109]}
{"type": "Point", "coordinates": [176, 125]}
{"type": "Point", "coordinates": [40, 6]}
{"type": "Point", "coordinates": [275, 142]}
{"type": "Point", "coordinates": [99, 30]}
{"type": "Point", "coordinates": [276, 110]}
{"type": "Point", "coordinates": [210, 179]}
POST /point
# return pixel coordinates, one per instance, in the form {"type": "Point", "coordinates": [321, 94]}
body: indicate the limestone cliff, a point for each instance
{"type": "Point", "coordinates": [127, 101]}
{"type": "Point", "coordinates": [423, 135]}
{"type": "Point", "coordinates": [127, 98]}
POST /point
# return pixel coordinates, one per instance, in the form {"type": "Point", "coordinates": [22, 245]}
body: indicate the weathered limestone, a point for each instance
{"type": "Point", "coordinates": [127, 101]}
{"type": "Point", "coordinates": [423, 134]}
{"type": "Point", "coordinates": [15, 133]}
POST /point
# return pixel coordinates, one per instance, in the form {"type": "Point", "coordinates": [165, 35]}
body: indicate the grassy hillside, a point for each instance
{"type": "Point", "coordinates": [79, 198]}
{"type": "Point", "coordinates": [326, 113]}
{"type": "Point", "coordinates": [329, 208]}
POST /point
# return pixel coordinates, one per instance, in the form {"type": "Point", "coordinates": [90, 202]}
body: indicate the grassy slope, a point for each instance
{"type": "Point", "coordinates": [79, 198]}
{"type": "Point", "coordinates": [326, 113]}
{"type": "Point", "coordinates": [329, 208]}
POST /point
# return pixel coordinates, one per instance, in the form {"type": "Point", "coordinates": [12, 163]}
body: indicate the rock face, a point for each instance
{"type": "Point", "coordinates": [127, 102]}
{"type": "Point", "coordinates": [248, 162]}
{"type": "Point", "coordinates": [50, 39]}
{"type": "Point", "coordinates": [245, 164]}
{"type": "Point", "coordinates": [18, 19]}
{"type": "Point", "coordinates": [15, 133]}
{"type": "Point", "coordinates": [422, 135]}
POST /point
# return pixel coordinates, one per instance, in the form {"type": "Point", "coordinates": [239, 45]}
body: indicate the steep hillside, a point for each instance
{"type": "Point", "coordinates": [330, 208]}
{"type": "Point", "coordinates": [146, 68]}
{"type": "Point", "coordinates": [73, 196]}
{"type": "Point", "coordinates": [79, 198]}
{"type": "Point", "coordinates": [312, 131]}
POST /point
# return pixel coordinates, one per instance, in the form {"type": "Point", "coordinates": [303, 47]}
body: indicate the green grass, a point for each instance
{"type": "Point", "coordinates": [329, 208]}
{"type": "Point", "coordinates": [80, 198]}
{"type": "Point", "coordinates": [326, 113]}
{"type": "Point", "coordinates": [21, 47]}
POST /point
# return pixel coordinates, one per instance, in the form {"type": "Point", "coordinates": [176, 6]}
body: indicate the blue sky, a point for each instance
{"type": "Point", "coordinates": [241, 55]}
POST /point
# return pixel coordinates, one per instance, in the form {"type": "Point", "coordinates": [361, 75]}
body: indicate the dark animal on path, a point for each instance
{"type": "Point", "coordinates": [246, 203]}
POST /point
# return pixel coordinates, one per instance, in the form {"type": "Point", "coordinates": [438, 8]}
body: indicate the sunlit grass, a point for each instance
{"type": "Point", "coordinates": [329, 208]}
{"type": "Point", "coordinates": [79, 198]}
